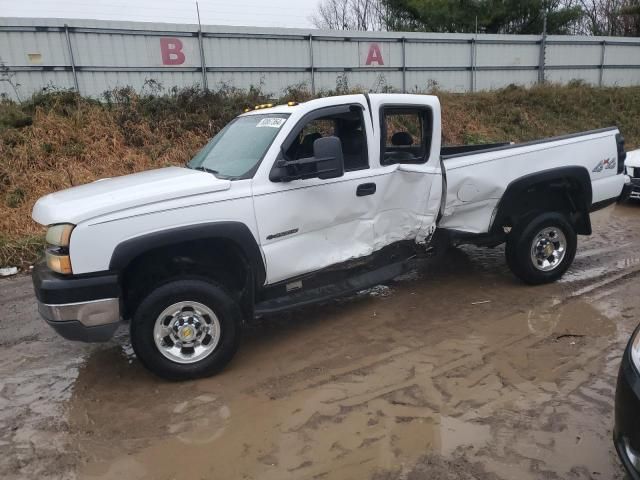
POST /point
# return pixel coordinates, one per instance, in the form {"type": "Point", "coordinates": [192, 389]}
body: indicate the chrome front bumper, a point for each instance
{"type": "Point", "coordinates": [92, 321]}
{"type": "Point", "coordinates": [78, 307]}
{"type": "Point", "coordinates": [631, 189]}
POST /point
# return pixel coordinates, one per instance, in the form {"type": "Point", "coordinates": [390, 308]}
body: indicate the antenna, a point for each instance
{"type": "Point", "coordinates": [201, 47]}
{"type": "Point", "coordinates": [198, 11]}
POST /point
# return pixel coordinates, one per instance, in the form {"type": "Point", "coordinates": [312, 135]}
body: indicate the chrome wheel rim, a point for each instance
{"type": "Point", "coordinates": [186, 332]}
{"type": "Point", "coordinates": [548, 249]}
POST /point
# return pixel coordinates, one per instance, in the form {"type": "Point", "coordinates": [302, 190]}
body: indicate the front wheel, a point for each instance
{"type": "Point", "coordinates": [186, 329]}
{"type": "Point", "coordinates": [541, 250]}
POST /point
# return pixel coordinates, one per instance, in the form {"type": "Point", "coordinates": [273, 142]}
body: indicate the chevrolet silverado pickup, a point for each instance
{"type": "Point", "coordinates": [299, 203]}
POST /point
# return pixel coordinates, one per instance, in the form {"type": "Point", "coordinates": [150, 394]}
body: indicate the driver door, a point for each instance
{"type": "Point", "coordinates": [309, 224]}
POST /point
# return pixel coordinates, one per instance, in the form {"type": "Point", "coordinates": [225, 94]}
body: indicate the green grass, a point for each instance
{"type": "Point", "coordinates": [22, 251]}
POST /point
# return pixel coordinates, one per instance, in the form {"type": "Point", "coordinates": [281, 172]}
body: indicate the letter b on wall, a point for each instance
{"type": "Point", "coordinates": [171, 51]}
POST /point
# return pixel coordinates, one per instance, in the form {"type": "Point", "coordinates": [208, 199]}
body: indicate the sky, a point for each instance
{"type": "Point", "coordinates": [260, 13]}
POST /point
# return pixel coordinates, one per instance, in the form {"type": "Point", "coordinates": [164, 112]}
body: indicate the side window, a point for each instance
{"type": "Point", "coordinates": [406, 135]}
{"type": "Point", "coordinates": [310, 132]}
{"type": "Point", "coordinates": [348, 126]}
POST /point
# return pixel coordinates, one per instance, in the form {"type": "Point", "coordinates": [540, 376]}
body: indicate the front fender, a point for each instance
{"type": "Point", "coordinates": [236, 232]}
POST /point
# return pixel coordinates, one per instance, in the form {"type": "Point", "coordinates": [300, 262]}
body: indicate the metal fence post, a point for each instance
{"type": "Point", "coordinates": [602, 58]}
{"type": "Point", "coordinates": [313, 76]}
{"type": "Point", "coordinates": [404, 65]}
{"type": "Point", "coordinates": [202, 62]}
{"type": "Point", "coordinates": [543, 51]}
{"type": "Point", "coordinates": [73, 63]}
{"type": "Point", "coordinates": [472, 61]}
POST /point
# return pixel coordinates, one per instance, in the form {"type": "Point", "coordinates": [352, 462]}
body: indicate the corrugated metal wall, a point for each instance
{"type": "Point", "coordinates": [95, 56]}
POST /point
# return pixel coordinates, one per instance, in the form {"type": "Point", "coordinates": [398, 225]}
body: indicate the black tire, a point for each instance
{"type": "Point", "coordinates": [520, 242]}
{"type": "Point", "coordinates": [207, 293]}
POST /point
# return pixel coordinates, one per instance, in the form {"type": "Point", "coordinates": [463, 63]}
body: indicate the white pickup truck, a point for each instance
{"type": "Point", "coordinates": [632, 190]}
{"type": "Point", "coordinates": [298, 203]}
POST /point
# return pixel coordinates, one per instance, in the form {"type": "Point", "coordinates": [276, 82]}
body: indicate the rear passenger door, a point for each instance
{"type": "Point", "coordinates": [410, 186]}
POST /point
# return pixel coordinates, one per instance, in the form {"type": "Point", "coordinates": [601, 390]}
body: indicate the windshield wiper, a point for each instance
{"type": "Point", "coordinates": [208, 170]}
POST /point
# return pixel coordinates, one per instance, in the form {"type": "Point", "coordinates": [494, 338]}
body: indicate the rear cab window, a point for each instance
{"type": "Point", "coordinates": [406, 135]}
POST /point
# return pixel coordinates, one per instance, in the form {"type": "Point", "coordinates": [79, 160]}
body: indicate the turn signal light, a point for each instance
{"type": "Point", "coordinates": [59, 263]}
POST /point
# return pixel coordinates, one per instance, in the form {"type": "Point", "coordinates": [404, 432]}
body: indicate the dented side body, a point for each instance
{"type": "Point", "coordinates": [330, 224]}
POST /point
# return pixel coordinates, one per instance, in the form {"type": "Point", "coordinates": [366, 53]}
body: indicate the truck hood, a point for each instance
{"type": "Point", "coordinates": [81, 203]}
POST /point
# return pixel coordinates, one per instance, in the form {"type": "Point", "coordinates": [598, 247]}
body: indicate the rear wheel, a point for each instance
{"type": "Point", "coordinates": [186, 329]}
{"type": "Point", "coordinates": [541, 251]}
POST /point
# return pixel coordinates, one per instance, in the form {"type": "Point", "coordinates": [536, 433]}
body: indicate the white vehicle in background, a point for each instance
{"type": "Point", "coordinates": [632, 191]}
{"type": "Point", "coordinates": [299, 203]}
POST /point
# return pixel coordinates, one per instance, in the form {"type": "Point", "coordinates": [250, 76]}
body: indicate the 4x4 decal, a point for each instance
{"type": "Point", "coordinates": [607, 163]}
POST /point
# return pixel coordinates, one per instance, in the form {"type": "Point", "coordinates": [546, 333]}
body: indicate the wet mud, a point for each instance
{"type": "Point", "coordinates": [454, 371]}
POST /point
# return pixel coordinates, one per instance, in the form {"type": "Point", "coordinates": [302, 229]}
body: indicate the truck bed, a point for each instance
{"type": "Point", "coordinates": [477, 176]}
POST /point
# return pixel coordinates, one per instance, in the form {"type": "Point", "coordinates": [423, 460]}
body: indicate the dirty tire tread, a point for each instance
{"type": "Point", "coordinates": [206, 292]}
{"type": "Point", "coordinates": [517, 251]}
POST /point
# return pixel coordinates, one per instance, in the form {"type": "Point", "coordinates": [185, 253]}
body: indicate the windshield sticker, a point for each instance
{"type": "Point", "coordinates": [273, 122]}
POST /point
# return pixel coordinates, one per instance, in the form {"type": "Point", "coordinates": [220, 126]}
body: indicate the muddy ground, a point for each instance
{"type": "Point", "coordinates": [454, 371]}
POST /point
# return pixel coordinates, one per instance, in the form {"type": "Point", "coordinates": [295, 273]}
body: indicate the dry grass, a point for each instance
{"type": "Point", "coordinates": [57, 140]}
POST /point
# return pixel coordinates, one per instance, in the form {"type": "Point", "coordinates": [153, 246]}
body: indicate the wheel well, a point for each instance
{"type": "Point", "coordinates": [564, 194]}
{"type": "Point", "coordinates": [220, 260]}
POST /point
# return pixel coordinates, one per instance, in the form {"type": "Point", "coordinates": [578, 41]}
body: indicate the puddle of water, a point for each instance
{"type": "Point", "coordinates": [475, 385]}
{"type": "Point", "coordinates": [33, 415]}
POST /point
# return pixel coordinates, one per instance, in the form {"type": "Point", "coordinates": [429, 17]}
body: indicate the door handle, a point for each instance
{"type": "Point", "coordinates": [366, 189]}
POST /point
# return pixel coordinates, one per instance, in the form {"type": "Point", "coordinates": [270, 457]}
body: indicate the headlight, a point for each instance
{"type": "Point", "coordinates": [57, 254]}
{"type": "Point", "coordinates": [635, 350]}
{"type": "Point", "coordinates": [630, 171]}
{"type": "Point", "coordinates": [59, 235]}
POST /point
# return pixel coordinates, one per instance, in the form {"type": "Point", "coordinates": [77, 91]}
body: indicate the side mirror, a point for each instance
{"type": "Point", "coordinates": [327, 152]}
{"type": "Point", "coordinates": [327, 162]}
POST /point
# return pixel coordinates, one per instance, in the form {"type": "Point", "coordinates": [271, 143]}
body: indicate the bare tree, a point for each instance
{"type": "Point", "coordinates": [611, 17]}
{"type": "Point", "coordinates": [351, 15]}
{"type": "Point", "coordinates": [594, 17]}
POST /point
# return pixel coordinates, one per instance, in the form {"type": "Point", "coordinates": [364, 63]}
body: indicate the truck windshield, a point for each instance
{"type": "Point", "coordinates": [238, 148]}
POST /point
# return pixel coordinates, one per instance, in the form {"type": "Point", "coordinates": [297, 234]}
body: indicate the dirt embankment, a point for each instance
{"type": "Point", "coordinates": [57, 140]}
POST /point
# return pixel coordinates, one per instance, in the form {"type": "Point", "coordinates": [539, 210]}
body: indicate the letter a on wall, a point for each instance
{"type": "Point", "coordinates": [374, 55]}
{"type": "Point", "coordinates": [171, 50]}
